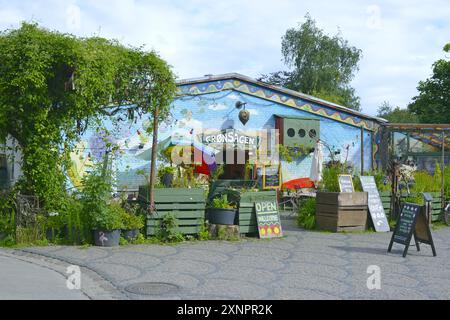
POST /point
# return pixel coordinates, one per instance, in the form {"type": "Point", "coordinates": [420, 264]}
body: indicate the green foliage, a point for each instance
{"type": "Point", "coordinates": [101, 212]}
{"type": "Point", "coordinates": [131, 221]}
{"type": "Point", "coordinates": [7, 241]}
{"type": "Point", "coordinates": [383, 184]}
{"type": "Point", "coordinates": [307, 214]}
{"type": "Point", "coordinates": [52, 85]}
{"type": "Point", "coordinates": [330, 180]}
{"type": "Point", "coordinates": [447, 182]}
{"type": "Point", "coordinates": [396, 114]}
{"type": "Point", "coordinates": [166, 170]}
{"type": "Point", "coordinates": [32, 235]}
{"type": "Point", "coordinates": [424, 182]}
{"type": "Point", "coordinates": [123, 241]}
{"type": "Point", "coordinates": [221, 203]}
{"type": "Point", "coordinates": [204, 234]}
{"type": "Point", "coordinates": [289, 154]}
{"type": "Point", "coordinates": [432, 105]}
{"type": "Point", "coordinates": [321, 65]}
{"type": "Point", "coordinates": [166, 230]}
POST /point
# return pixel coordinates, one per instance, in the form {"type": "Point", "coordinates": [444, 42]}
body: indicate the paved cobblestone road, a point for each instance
{"type": "Point", "coordinates": [303, 265]}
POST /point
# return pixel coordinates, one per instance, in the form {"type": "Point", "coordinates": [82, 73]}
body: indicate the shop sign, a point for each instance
{"type": "Point", "coordinates": [412, 222]}
{"type": "Point", "coordinates": [232, 137]}
{"type": "Point", "coordinates": [268, 218]}
{"type": "Point", "coordinates": [375, 205]}
{"type": "Point", "coordinates": [346, 183]}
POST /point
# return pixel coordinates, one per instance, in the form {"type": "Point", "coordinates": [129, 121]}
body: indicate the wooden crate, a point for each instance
{"type": "Point", "coordinates": [341, 211]}
{"type": "Point", "coordinates": [186, 205]}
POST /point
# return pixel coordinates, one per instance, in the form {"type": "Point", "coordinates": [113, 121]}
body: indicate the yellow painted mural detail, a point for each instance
{"type": "Point", "coordinates": [79, 164]}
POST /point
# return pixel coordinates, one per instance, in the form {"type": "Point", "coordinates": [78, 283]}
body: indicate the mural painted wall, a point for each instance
{"type": "Point", "coordinates": [130, 144]}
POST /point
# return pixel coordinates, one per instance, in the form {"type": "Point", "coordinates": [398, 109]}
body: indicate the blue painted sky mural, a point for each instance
{"type": "Point", "coordinates": [189, 117]}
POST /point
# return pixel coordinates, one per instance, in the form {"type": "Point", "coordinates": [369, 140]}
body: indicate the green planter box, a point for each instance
{"type": "Point", "coordinates": [187, 205]}
{"type": "Point", "coordinates": [436, 204]}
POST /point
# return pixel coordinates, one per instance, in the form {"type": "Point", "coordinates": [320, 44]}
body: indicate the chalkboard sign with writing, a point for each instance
{"type": "Point", "coordinates": [412, 222]}
{"type": "Point", "coordinates": [271, 177]}
{"type": "Point", "coordinates": [346, 183]}
{"type": "Point", "coordinates": [268, 218]}
{"type": "Point", "coordinates": [375, 205]}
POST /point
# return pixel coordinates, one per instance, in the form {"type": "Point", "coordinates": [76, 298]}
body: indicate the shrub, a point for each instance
{"type": "Point", "coordinates": [307, 214]}
{"type": "Point", "coordinates": [166, 230]}
{"type": "Point", "coordinates": [131, 221]}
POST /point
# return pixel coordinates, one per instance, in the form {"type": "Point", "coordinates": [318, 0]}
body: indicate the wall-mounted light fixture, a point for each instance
{"type": "Point", "coordinates": [244, 115]}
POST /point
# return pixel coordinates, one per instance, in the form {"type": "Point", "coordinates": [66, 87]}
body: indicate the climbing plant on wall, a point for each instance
{"type": "Point", "coordinates": [53, 85]}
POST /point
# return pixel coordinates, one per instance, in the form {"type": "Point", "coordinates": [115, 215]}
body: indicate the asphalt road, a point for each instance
{"type": "Point", "coordinates": [302, 265]}
{"type": "Point", "coordinates": [22, 280]}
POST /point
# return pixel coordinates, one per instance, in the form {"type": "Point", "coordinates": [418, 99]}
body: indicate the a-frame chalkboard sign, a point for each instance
{"type": "Point", "coordinates": [412, 222]}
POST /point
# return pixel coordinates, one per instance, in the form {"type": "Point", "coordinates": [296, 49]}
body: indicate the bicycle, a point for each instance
{"type": "Point", "coordinates": [447, 214]}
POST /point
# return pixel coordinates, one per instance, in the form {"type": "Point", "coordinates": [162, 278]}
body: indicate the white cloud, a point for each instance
{"type": "Point", "coordinates": [218, 106]}
{"type": "Point", "coordinates": [233, 97]}
{"type": "Point", "coordinates": [400, 40]}
{"type": "Point", "coordinates": [73, 19]}
{"type": "Point", "coordinates": [374, 18]}
{"type": "Point", "coordinates": [253, 112]}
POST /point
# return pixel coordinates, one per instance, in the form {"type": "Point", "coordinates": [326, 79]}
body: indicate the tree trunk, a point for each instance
{"type": "Point", "coordinates": [153, 162]}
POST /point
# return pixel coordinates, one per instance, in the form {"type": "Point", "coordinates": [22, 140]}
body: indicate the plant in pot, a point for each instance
{"type": "Point", "coordinates": [107, 225]}
{"type": "Point", "coordinates": [132, 222]}
{"type": "Point", "coordinates": [104, 216]}
{"type": "Point", "coordinates": [166, 175]}
{"type": "Point", "coordinates": [221, 211]}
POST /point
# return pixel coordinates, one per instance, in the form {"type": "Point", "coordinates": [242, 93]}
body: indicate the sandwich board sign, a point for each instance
{"type": "Point", "coordinates": [268, 219]}
{"type": "Point", "coordinates": [376, 209]}
{"type": "Point", "coordinates": [346, 183]}
{"type": "Point", "coordinates": [412, 222]}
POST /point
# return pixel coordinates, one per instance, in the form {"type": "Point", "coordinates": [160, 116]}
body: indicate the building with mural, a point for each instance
{"type": "Point", "coordinates": [206, 114]}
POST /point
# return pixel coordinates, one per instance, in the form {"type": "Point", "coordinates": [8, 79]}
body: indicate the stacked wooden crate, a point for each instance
{"type": "Point", "coordinates": [341, 211]}
{"type": "Point", "coordinates": [186, 205]}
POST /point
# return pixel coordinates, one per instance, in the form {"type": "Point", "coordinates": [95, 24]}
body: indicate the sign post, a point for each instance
{"type": "Point", "coordinates": [268, 218]}
{"type": "Point", "coordinates": [346, 183]}
{"type": "Point", "coordinates": [375, 205]}
{"type": "Point", "coordinates": [271, 177]}
{"type": "Point", "coordinates": [412, 222]}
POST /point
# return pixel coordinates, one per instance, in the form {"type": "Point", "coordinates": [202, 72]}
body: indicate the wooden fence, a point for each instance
{"type": "Point", "coordinates": [436, 204]}
{"type": "Point", "coordinates": [186, 205]}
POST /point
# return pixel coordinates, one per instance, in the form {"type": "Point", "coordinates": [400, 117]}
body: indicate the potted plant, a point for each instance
{"type": "Point", "coordinates": [107, 225]}
{"type": "Point", "coordinates": [132, 222]}
{"type": "Point", "coordinates": [166, 175]}
{"type": "Point", "coordinates": [104, 216]}
{"type": "Point", "coordinates": [221, 211]}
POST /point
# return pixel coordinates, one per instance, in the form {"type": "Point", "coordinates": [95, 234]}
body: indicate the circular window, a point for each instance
{"type": "Point", "coordinates": [312, 133]}
{"type": "Point", "coordinates": [301, 133]}
{"type": "Point", "coordinates": [291, 132]}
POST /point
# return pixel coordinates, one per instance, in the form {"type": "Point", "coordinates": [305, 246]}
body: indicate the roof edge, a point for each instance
{"type": "Point", "coordinates": [238, 76]}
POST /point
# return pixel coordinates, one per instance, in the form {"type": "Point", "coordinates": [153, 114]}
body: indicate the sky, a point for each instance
{"type": "Point", "coordinates": [400, 40]}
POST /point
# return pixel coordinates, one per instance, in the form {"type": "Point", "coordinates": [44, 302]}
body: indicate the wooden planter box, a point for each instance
{"type": "Point", "coordinates": [246, 208]}
{"type": "Point", "coordinates": [187, 205]}
{"type": "Point", "coordinates": [341, 211]}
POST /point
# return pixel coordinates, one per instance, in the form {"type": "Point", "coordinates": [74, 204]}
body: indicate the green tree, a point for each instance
{"type": "Point", "coordinates": [432, 105]}
{"type": "Point", "coordinates": [396, 115]}
{"type": "Point", "coordinates": [320, 65]}
{"type": "Point", "coordinates": [53, 85]}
